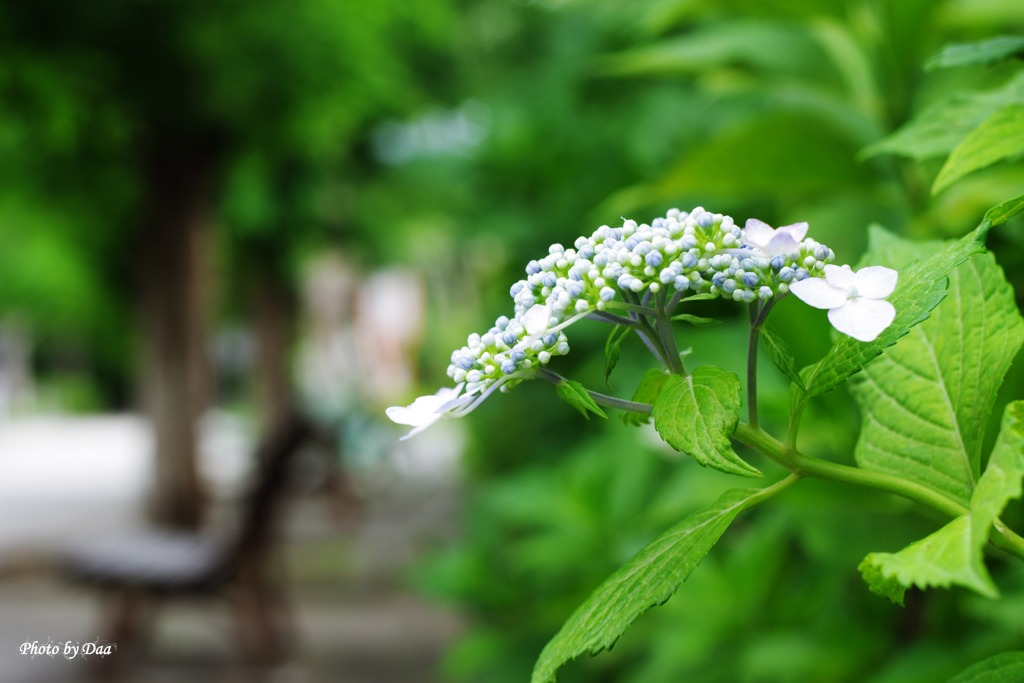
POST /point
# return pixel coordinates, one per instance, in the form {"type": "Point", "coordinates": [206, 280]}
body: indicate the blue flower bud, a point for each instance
{"type": "Point", "coordinates": [509, 338]}
{"type": "Point", "coordinates": [706, 220]}
{"type": "Point", "coordinates": [549, 279]}
{"type": "Point", "coordinates": [689, 260]}
{"type": "Point", "coordinates": [658, 223]}
{"type": "Point", "coordinates": [607, 294]}
{"type": "Point", "coordinates": [751, 279]}
{"type": "Point", "coordinates": [550, 339]}
{"type": "Point", "coordinates": [532, 268]}
{"type": "Point", "coordinates": [508, 367]}
{"type": "Point", "coordinates": [516, 288]}
{"type": "Point", "coordinates": [801, 273]}
{"type": "Point", "coordinates": [465, 362]}
{"type": "Point", "coordinates": [728, 286]}
{"type": "Point", "coordinates": [518, 355]}
{"type": "Point", "coordinates": [785, 273]}
{"type": "Point", "coordinates": [821, 252]}
{"type": "Point", "coordinates": [654, 258]}
{"type": "Point", "coordinates": [778, 262]}
{"type": "Point", "coordinates": [717, 279]}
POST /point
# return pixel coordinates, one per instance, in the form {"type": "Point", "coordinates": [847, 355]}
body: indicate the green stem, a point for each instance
{"type": "Point", "coordinates": [668, 340]}
{"type": "Point", "coordinates": [805, 465]}
{"type": "Point", "coordinates": [755, 331]}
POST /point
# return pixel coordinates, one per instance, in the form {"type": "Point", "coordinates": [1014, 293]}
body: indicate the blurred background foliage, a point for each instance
{"type": "Point", "coordinates": [461, 138]}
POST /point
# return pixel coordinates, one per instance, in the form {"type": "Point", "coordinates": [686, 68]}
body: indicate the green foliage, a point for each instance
{"type": "Point", "coordinates": [576, 395]}
{"type": "Point", "coordinates": [953, 554]}
{"type": "Point", "coordinates": [612, 348]}
{"type": "Point", "coordinates": [977, 54]}
{"type": "Point", "coordinates": [649, 579]}
{"type": "Point", "coordinates": [780, 355]}
{"type": "Point", "coordinates": [999, 137]}
{"type": "Point", "coordinates": [933, 391]}
{"type": "Point", "coordinates": [647, 392]}
{"type": "Point", "coordinates": [696, 320]}
{"type": "Point", "coordinates": [1002, 668]}
{"type": "Point", "coordinates": [698, 413]}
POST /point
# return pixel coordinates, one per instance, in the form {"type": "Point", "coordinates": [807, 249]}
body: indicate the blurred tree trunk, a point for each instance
{"type": "Point", "coordinates": [175, 289]}
{"type": "Point", "coordinates": [272, 305]}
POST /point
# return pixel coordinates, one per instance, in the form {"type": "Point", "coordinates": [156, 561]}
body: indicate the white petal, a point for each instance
{"type": "Point", "coordinates": [863, 319]}
{"type": "Point", "coordinates": [839, 276]}
{"type": "Point", "coordinates": [814, 291]}
{"type": "Point", "coordinates": [797, 231]}
{"type": "Point", "coordinates": [536, 319]}
{"type": "Point", "coordinates": [425, 410]}
{"type": "Point", "coordinates": [757, 233]}
{"type": "Point", "coordinates": [876, 282]}
{"type": "Point", "coordinates": [780, 244]}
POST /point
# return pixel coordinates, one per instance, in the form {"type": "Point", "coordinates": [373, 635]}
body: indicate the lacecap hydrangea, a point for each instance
{"type": "Point", "coordinates": [620, 271]}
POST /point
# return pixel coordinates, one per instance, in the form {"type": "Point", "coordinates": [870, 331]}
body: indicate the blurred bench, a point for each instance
{"type": "Point", "coordinates": [139, 571]}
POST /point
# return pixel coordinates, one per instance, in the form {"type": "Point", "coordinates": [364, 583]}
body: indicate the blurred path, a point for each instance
{"type": "Point", "coordinates": [65, 478]}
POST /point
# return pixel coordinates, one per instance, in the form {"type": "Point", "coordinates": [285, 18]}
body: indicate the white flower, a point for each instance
{"type": "Point", "coordinates": [773, 242]}
{"type": "Point", "coordinates": [426, 410]}
{"type": "Point", "coordinates": [536, 319]}
{"type": "Point", "coordinates": [855, 300]}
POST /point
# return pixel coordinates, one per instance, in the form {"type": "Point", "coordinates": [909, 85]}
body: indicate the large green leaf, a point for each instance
{"type": "Point", "coordinates": [953, 554]}
{"type": "Point", "coordinates": [926, 401]}
{"type": "Point", "coordinates": [999, 137]}
{"type": "Point", "coordinates": [982, 53]}
{"type": "Point", "coordinates": [1006, 667]}
{"type": "Point", "coordinates": [698, 413]}
{"type": "Point", "coordinates": [922, 285]}
{"type": "Point", "coordinates": [647, 580]}
{"type": "Point", "coordinates": [937, 130]}
{"type": "Point", "coordinates": [936, 387]}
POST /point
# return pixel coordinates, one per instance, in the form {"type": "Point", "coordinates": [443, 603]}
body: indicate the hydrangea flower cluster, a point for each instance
{"type": "Point", "coordinates": [683, 252]}
{"type": "Point", "coordinates": [621, 269]}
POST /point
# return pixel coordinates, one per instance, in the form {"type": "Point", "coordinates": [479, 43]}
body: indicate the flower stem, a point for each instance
{"type": "Point", "coordinates": [668, 339]}
{"type": "Point", "coordinates": [755, 330]}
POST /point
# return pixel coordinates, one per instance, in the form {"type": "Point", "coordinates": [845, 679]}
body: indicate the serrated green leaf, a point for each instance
{"type": "Point", "coordinates": [921, 287]}
{"type": "Point", "coordinates": [780, 355]}
{"type": "Point", "coordinates": [612, 346]}
{"type": "Point", "coordinates": [696, 415]}
{"type": "Point", "coordinates": [926, 401]}
{"type": "Point", "coordinates": [953, 555]}
{"type": "Point", "coordinates": [576, 395]}
{"type": "Point", "coordinates": [1002, 480]}
{"type": "Point", "coordinates": [647, 392]}
{"type": "Point", "coordinates": [999, 137]}
{"type": "Point", "coordinates": [1006, 667]}
{"type": "Point", "coordinates": [1001, 213]}
{"type": "Point", "coordinates": [937, 130]}
{"type": "Point", "coordinates": [647, 580]}
{"type": "Point", "coordinates": [941, 560]}
{"type": "Point", "coordinates": [696, 320]}
{"type": "Point", "coordinates": [976, 54]}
